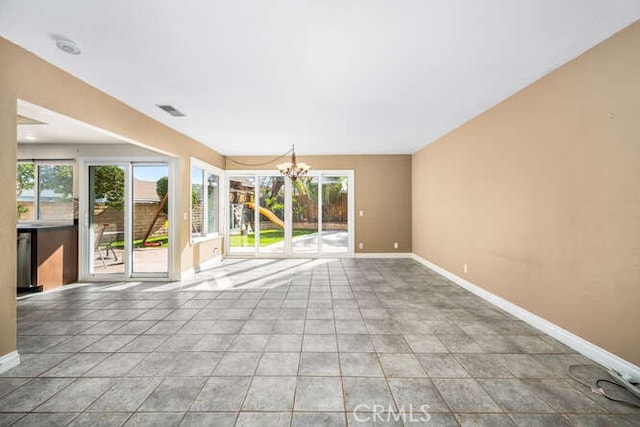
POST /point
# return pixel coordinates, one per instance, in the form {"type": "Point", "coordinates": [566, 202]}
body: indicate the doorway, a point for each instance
{"type": "Point", "coordinates": [270, 215]}
{"type": "Point", "coordinates": [126, 220]}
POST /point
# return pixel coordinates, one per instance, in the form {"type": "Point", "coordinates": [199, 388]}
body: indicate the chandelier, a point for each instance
{"type": "Point", "coordinates": [293, 169]}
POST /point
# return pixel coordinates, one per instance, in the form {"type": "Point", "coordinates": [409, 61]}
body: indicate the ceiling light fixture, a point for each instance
{"type": "Point", "coordinates": [292, 169]}
{"type": "Point", "coordinates": [68, 46]}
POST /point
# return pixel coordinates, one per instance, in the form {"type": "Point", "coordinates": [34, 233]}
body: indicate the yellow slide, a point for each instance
{"type": "Point", "coordinates": [267, 214]}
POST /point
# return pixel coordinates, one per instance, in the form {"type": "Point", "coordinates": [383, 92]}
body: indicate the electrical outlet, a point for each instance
{"type": "Point", "coordinates": [361, 213]}
{"type": "Point", "coordinates": [395, 245]}
{"type": "Point", "coordinates": [466, 270]}
{"type": "Point", "coordinates": [360, 245]}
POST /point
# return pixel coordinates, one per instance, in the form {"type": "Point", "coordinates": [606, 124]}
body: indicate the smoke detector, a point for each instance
{"type": "Point", "coordinates": [68, 46]}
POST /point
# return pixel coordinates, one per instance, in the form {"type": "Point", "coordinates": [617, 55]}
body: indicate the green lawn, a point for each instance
{"type": "Point", "coordinates": [267, 237]}
{"type": "Point", "coordinates": [163, 240]}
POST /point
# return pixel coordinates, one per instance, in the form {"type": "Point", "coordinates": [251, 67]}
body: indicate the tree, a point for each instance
{"type": "Point", "coordinates": [162, 188]}
{"type": "Point", "coordinates": [25, 180]}
{"type": "Point", "coordinates": [57, 178]}
{"type": "Point", "coordinates": [305, 197]}
{"type": "Point", "coordinates": [108, 184]}
{"type": "Point", "coordinates": [271, 194]}
{"type": "Point", "coordinates": [334, 189]}
{"type": "Point", "coordinates": [25, 177]}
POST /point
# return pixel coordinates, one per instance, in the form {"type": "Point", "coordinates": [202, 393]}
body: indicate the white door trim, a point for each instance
{"type": "Point", "coordinates": [288, 253]}
{"type": "Point", "coordinates": [84, 237]}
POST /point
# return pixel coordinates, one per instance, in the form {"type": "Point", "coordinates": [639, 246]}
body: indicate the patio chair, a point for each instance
{"type": "Point", "coordinates": [105, 242]}
{"type": "Point", "coordinates": [97, 244]}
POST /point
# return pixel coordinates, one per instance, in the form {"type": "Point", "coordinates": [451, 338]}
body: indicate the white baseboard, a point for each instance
{"type": "Point", "coordinates": [383, 255]}
{"type": "Point", "coordinates": [8, 361]}
{"type": "Point", "coordinates": [592, 351]}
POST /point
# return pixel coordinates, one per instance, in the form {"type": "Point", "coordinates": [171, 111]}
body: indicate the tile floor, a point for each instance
{"type": "Point", "coordinates": [290, 343]}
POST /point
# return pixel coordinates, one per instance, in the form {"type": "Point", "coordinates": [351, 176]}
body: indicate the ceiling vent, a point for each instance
{"type": "Point", "coordinates": [171, 110]}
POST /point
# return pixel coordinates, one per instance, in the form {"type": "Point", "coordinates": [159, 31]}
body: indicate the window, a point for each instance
{"type": "Point", "coordinates": [205, 200]}
{"type": "Point", "coordinates": [44, 191]}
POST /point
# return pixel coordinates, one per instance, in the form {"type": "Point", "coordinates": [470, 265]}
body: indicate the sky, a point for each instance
{"type": "Point", "coordinates": [150, 173]}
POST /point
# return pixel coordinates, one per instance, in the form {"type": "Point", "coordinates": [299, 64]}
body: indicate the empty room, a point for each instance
{"type": "Point", "coordinates": [320, 213]}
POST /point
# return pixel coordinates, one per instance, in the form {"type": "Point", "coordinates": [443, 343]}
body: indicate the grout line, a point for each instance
{"type": "Point", "coordinates": [324, 275]}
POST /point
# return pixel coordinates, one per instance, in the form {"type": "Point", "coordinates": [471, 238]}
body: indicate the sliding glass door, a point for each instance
{"type": "Point", "coordinates": [272, 215]}
{"type": "Point", "coordinates": [335, 214]}
{"type": "Point", "coordinates": [271, 227]}
{"type": "Point", "coordinates": [241, 216]}
{"type": "Point", "coordinates": [127, 220]}
{"type": "Point", "coordinates": [107, 219]}
{"type": "Point", "coordinates": [150, 219]}
{"type": "Point", "coordinates": [304, 204]}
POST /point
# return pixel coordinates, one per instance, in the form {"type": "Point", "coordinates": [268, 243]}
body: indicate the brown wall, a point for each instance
{"type": "Point", "coordinates": [540, 196]}
{"type": "Point", "coordinates": [382, 191]}
{"type": "Point", "coordinates": [27, 77]}
{"type": "Point", "coordinates": [56, 257]}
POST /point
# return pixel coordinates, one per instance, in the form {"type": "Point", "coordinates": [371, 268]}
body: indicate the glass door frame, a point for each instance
{"type": "Point", "coordinates": [258, 222]}
{"type": "Point", "coordinates": [170, 240]}
{"type": "Point", "coordinates": [85, 237]}
{"type": "Point", "coordinates": [288, 230]}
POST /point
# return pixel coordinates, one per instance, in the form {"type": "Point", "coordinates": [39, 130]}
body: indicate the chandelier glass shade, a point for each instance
{"type": "Point", "coordinates": [292, 169]}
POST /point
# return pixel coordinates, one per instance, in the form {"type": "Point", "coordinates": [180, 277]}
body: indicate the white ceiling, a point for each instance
{"type": "Point", "coordinates": [339, 77]}
{"type": "Point", "coordinates": [56, 128]}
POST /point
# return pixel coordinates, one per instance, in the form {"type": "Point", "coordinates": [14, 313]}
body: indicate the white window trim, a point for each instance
{"type": "Point", "coordinates": [83, 218]}
{"type": "Point", "coordinates": [36, 187]}
{"type": "Point", "coordinates": [350, 173]}
{"type": "Point", "coordinates": [194, 162]}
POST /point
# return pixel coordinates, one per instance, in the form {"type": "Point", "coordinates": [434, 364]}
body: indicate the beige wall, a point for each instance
{"type": "Point", "coordinates": [382, 191]}
{"type": "Point", "coordinates": [540, 196]}
{"type": "Point", "coordinates": [7, 225]}
{"type": "Point", "coordinates": [25, 76]}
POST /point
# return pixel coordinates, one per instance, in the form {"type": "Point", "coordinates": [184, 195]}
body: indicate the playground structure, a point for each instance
{"type": "Point", "coordinates": [266, 213]}
{"type": "Point", "coordinates": [260, 226]}
{"type": "Point", "coordinates": [153, 222]}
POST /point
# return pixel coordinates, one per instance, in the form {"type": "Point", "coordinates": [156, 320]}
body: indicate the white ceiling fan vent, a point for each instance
{"type": "Point", "coordinates": [170, 109]}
